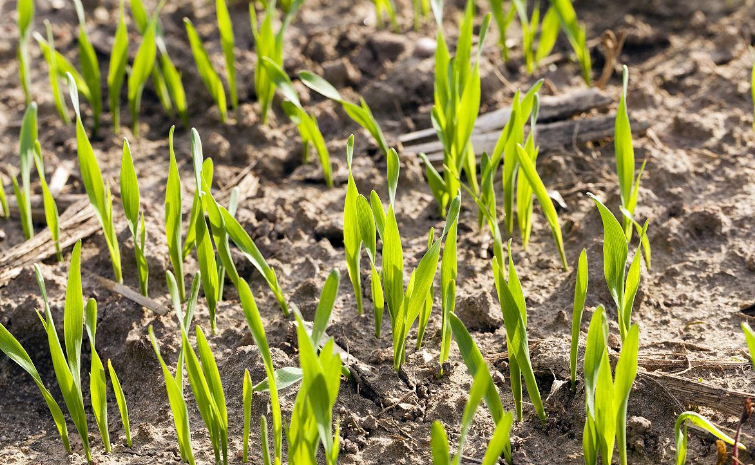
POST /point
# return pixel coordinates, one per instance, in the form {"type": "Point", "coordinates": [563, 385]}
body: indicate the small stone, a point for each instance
{"type": "Point", "coordinates": [478, 312]}
{"type": "Point", "coordinates": [425, 48]}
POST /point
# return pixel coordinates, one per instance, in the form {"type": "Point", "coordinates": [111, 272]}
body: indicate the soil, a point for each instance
{"type": "Point", "coordinates": [689, 81]}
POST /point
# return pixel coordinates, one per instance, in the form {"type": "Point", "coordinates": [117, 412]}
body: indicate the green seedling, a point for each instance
{"type": "Point", "coordinates": [204, 243]}
{"type": "Point", "coordinates": [206, 71]}
{"type": "Point", "coordinates": [206, 385]}
{"type": "Point", "coordinates": [622, 284]}
{"type": "Point", "coordinates": [750, 339]}
{"type": "Point", "coordinates": [474, 361]}
{"type": "Point", "coordinates": [25, 10]}
{"type": "Point", "coordinates": [52, 59]}
{"type": "Point", "coordinates": [427, 306]}
{"type": "Point", "coordinates": [120, 399]}
{"type": "Point", "coordinates": [16, 352]}
{"type": "Point", "coordinates": [448, 273]}
{"type": "Point", "coordinates": [94, 184]}
{"type": "Point", "coordinates": [59, 66]}
{"type": "Point", "coordinates": [361, 114]}
{"type": "Point", "coordinates": [352, 239]}
{"type": "Point", "coordinates": [513, 307]}
{"type": "Point", "coordinates": [576, 35]}
{"type": "Point", "coordinates": [580, 294]}
{"type": "Point", "coordinates": [306, 123]}
{"type": "Point", "coordinates": [500, 442]}
{"type": "Point", "coordinates": [134, 215]}
{"type": "Point", "coordinates": [247, 401]}
{"type": "Point", "coordinates": [629, 185]}
{"type": "Point", "coordinates": [548, 28]}
{"type": "Point", "coordinates": [421, 10]}
{"type": "Point", "coordinates": [524, 192]}
{"type": "Point", "coordinates": [680, 433]}
{"type": "Point", "coordinates": [607, 397]}
{"type": "Point", "coordinates": [269, 45]}
{"type": "Point", "coordinates": [4, 202]}
{"type": "Point", "coordinates": [68, 366]}
{"type": "Point", "coordinates": [51, 208]}
{"type": "Point", "coordinates": [457, 103]}
{"type": "Point", "coordinates": [117, 68]}
{"type": "Point", "coordinates": [541, 193]}
{"type": "Point", "coordinates": [97, 378]}
{"type": "Point", "coordinates": [312, 415]}
{"type": "Point", "coordinates": [165, 78]}
{"type": "Point", "coordinates": [174, 385]}
{"type": "Point", "coordinates": [90, 67]}
{"type": "Point", "coordinates": [233, 205]}
{"type": "Point", "coordinates": [251, 312]}
{"type": "Point", "coordinates": [173, 215]}
{"type": "Point", "coordinates": [27, 140]}
{"type": "Point", "coordinates": [385, 8]}
{"type": "Point", "coordinates": [141, 70]}
{"type": "Point", "coordinates": [503, 20]}
{"type": "Point", "coordinates": [225, 27]}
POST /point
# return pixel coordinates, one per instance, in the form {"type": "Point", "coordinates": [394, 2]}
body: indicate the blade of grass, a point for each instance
{"type": "Point", "coordinates": [117, 68]}
{"type": "Point", "coordinates": [121, 400]}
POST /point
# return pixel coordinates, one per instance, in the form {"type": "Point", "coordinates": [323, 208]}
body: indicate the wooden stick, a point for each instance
{"type": "Point", "coordinates": [550, 137]}
{"type": "Point", "coordinates": [552, 108]}
{"type": "Point", "coordinates": [128, 293]}
{"type": "Point", "coordinates": [77, 222]}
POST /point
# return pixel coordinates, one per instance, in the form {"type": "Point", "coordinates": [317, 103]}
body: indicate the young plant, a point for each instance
{"type": "Point", "coordinates": [27, 139]}
{"type": "Point", "coordinates": [206, 71]}
{"type": "Point", "coordinates": [680, 433]}
{"type": "Point", "coordinates": [120, 399]}
{"type": "Point", "coordinates": [503, 21]}
{"type": "Point", "coordinates": [233, 205]}
{"type": "Point", "coordinates": [4, 202]}
{"type": "Point", "coordinates": [117, 69]}
{"type": "Point", "coordinates": [141, 70]}
{"type": "Point", "coordinates": [576, 35]}
{"type": "Point", "coordinates": [352, 240]}
{"type": "Point", "coordinates": [165, 78]}
{"type": "Point", "coordinates": [59, 66]}
{"type": "Point", "coordinates": [16, 352]}
{"type": "Point", "coordinates": [421, 9]}
{"type": "Point", "coordinates": [405, 307]}
{"type": "Point", "coordinates": [500, 442]}
{"type": "Point", "coordinates": [90, 67]}
{"type": "Point", "coordinates": [68, 366]}
{"type": "Point", "coordinates": [457, 102]}
{"type": "Point", "coordinates": [580, 294]}
{"type": "Point", "coordinates": [622, 285]}
{"type": "Point", "coordinates": [448, 272]}
{"type": "Point", "coordinates": [134, 215]}
{"type": "Point", "coordinates": [750, 339]}
{"type": "Point", "coordinates": [173, 214]}
{"type": "Point", "coordinates": [269, 45]}
{"type": "Point", "coordinates": [541, 193]}
{"type": "Point", "coordinates": [476, 365]}
{"type": "Point", "coordinates": [312, 415]}
{"type": "Point", "coordinates": [385, 8]}
{"type": "Point", "coordinates": [306, 123]}
{"type": "Point", "coordinates": [607, 397]}
{"type": "Point", "coordinates": [247, 401]}
{"type": "Point", "coordinates": [629, 186]}
{"type": "Point", "coordinates": [97, 379]}
{"type": "Point", "coordinates": [513, 307]}
{"type": "Point", "coordinates": [226, 41]}
{"type": "Point", "coordinates": [25, 10]}
{"type": "Point", "coordinates": [549, 29]}
{"type": "Point", "coordinates": [174, 385]}
{"type": "Point", "coordinates": [94, 184]}
{"type": "Point", "coordinates": [253, 320]}
{"type": "Point", "coordinates": [204, 379]}
{"type": "Point", "coordinates": [361, 114]}
{"type": "Point", "coordinates": [51, 208]}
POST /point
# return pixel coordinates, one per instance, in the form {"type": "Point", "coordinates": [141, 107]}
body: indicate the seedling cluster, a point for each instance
{"type": "Point", "coordinates": [311, 429]}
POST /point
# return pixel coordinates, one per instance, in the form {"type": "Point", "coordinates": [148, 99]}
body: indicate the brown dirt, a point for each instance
{"type": "Point", "coordinates": [689, 80]}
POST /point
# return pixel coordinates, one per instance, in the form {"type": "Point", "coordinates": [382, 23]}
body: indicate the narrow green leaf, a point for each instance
{"type": "Point", "coordinates": [121, 400]}
{"type": "Point", "coordinates": [580, 295]}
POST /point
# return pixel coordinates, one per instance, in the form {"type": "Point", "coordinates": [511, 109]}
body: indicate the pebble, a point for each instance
{"type": "Point", "coordinates": [425, 48]}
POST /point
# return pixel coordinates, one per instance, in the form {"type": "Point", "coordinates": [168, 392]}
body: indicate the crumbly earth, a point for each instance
{"type": "Point", "coordinates": [689, 81]}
